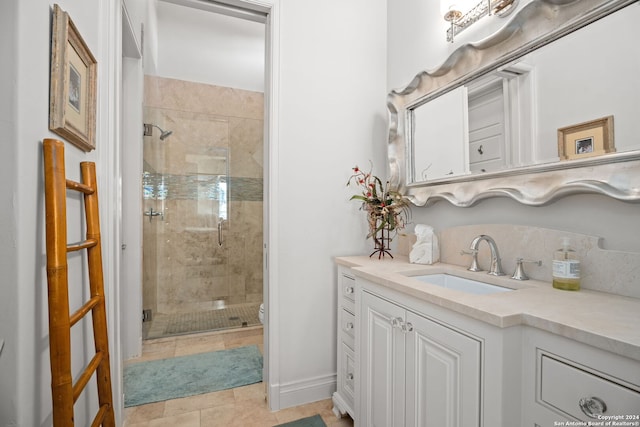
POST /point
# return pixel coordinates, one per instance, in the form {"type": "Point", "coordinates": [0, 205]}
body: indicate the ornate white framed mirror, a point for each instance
{"type": "Point", "coordinates": [487, 122]}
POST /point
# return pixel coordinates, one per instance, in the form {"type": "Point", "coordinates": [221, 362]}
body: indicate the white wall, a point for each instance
{"type": "Point", "coordinates": [205, 47]}
{"type": "Point", "coordinates": [150, 43]}
{"type": "Point", "coordinates": [137, 10]}
{"type": "Point", "coordinates": [9, 178]}
{"type": "Point", "coordinates": [589, 214]}
{"type": "Point", "coordinates": [30, 369]}
{"type": "Point", "coordinates": [331, 117]}
{"type": "Point", "coordinates": [408, 37]}
{"type": "Point", "coordinates": [417, 37]}
{"type": "Point", "coordinates": [25, 393]}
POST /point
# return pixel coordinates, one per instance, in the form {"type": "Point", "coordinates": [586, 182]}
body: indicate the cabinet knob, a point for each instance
{"type": "Point", "coordinates": [592, 406]}
{"type": "Point", "coordinates": [397, 322]}
{"type": "Point", "coordinates": [348, 290]}
{"type": "Point", "coordinates": [350, 377]}
{"type": "Point", "coordinates": [407, 327]}
{"type": "Point", "coordinates": [349, 325]}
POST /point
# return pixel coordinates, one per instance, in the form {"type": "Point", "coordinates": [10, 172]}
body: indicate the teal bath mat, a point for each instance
{"type": "Point", "coordinates": [165, 379]}
{"type": "Point", "coordinates": [315, 421]}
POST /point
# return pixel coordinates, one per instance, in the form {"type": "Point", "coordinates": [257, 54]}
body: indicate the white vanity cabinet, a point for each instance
{"type": "Point", "coordinates": [415, 371]}
{"type": "Point", "coordinates": [417, 355]}
{"type": "Point", "coordinates": [344, 397]}
{"type": "Point", "coordinates": [424, 366]}
{"type": "Point", "coordinates": [570, 381]}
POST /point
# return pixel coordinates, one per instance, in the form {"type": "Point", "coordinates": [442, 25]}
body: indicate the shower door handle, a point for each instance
{"type": "Point", "coordinates": [220, 239]}
{"type": "Point", "coordinates": [151, 213]}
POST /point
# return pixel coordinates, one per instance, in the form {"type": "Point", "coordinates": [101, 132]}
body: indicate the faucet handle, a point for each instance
{"type": "Point", "coordinates": [474, 259]}
{"type": "Point", "coordinates": [519, 273]}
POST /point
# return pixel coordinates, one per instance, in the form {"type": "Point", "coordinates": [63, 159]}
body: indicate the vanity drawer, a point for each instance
{"type": "Point", "coordinates": [347, 326]}
{"type": "Point", "coordinates": [347, 379]}
{"type": "Point", "coordinates": [348, 291]}
{"type": "Point", "coordinates": [563, 386]}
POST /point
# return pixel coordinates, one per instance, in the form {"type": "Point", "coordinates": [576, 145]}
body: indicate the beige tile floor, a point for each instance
{"type": "Point", "coordinates": [239, 407]}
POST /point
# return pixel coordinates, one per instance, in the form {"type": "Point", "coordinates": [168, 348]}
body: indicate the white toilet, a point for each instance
{"type": "Point", "coordinates": [261, 313]}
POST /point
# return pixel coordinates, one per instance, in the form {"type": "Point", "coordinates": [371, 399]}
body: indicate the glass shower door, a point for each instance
{"type": "Point", "coordinates": [186, 219]}
{"type": "Point", "coordinates": [202, 224]}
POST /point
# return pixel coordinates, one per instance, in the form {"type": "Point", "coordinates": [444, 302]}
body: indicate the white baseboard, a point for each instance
{"type": "Point", "coordinates": [301, 392]}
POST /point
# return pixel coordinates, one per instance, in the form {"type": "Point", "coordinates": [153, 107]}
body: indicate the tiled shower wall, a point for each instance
{"type": "Point", "coordinates": [184, 267]}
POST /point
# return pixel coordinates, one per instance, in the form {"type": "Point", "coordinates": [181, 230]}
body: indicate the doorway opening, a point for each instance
{"type": "Point", "coordinates": [203, 158]}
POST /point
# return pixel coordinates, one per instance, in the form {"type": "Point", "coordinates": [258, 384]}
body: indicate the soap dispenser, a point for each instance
{"type": "Point", "coordinates": [566, 268]}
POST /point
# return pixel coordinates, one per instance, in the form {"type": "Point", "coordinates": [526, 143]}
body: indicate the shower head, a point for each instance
{"type": "Point", "coordinates": [165, 134]}
{"type": "Point", "coordinates": [148, 131]}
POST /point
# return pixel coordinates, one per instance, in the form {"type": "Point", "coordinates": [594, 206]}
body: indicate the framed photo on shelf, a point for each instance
{"type": "Point", "coordinates": [588, 139]}
{"type": "Point", "coordinates": [73, 86]}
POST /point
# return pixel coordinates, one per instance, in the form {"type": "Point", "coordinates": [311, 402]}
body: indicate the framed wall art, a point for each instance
{"type": "Point", "coordinates": [72, 98]}
{"type": "Point", "coordinates": [588, 139]}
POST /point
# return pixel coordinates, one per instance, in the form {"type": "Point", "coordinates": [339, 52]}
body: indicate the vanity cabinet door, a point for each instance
{"type": "Point", "coordinates": [382, 358]}
{"type": "Point", "coordinates": [416, 372]}
{"type": "Point", "coordinates": [442, 375]}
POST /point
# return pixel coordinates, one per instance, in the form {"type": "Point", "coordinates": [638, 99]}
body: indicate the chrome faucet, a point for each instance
{"type": "Point", "coordinates": [496, 266]}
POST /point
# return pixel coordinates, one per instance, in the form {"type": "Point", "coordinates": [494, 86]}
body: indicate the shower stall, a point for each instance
{"type": "Point", "coordinates": [202, 207]}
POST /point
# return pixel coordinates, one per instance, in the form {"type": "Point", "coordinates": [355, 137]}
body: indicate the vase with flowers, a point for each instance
{"type": "Point", "coordinates": [387, 211]}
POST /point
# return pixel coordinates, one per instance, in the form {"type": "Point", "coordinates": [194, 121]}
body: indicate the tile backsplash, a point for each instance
{"type": "Point", "coordinates": [615, 272]}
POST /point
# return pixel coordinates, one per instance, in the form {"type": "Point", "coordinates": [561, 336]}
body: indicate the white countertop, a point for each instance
{"type": "Point", "coordinates": [605, 321]}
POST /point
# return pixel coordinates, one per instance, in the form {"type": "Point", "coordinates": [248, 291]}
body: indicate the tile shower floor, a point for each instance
{"type": "Point", "coordinates": [239, 407]}
{"type": "Point", "coordinates": [233, 316]}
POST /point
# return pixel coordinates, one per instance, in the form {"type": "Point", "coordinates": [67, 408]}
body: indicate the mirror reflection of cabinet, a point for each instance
{"type": "Point", "coordinates": [481, 127]}
{"type": "Point", "coordinates": [487, 129]}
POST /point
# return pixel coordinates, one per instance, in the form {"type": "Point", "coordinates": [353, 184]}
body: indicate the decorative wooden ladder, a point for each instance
{"type": "Point", "coordinates": [64, 391]}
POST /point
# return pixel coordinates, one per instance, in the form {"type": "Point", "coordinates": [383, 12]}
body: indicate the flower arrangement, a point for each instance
{"type": "Point", "coordinates": [387, 210]}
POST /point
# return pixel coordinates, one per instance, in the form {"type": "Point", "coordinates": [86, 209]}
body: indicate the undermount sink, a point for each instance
{"type": "Point", "coordinates": [461, 284]}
